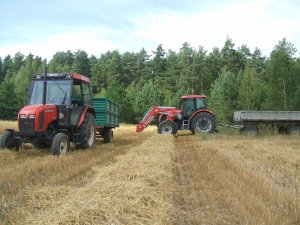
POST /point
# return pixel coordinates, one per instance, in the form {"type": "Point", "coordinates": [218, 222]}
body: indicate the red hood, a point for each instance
{"type": "Point", "coordinates": [34, 109]}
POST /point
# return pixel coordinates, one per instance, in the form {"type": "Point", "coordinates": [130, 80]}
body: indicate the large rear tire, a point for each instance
{"type": "Point", "coordinates": [7, 140]}
{"type": "Point", "coordinates": [60, 144]}
{"type": "Point", "coordinates": [203, 122]}
{"type": "Point", "coordinates": [167, 127]}
{"type": "Point", "coordinates": [87, 132]}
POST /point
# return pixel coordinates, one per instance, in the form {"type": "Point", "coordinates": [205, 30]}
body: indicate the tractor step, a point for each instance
{"type": "Point", "coordinates": [185, 125]}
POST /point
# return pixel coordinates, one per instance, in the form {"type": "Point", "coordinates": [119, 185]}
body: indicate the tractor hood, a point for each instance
{"type": "Point", "coordinates": [30, 111]}
{"type": "Point", "coordinates": [36, 118]}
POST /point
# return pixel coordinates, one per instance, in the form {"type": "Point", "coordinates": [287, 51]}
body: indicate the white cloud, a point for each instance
{"type": "Point", "coordinates": [253, 23]}
{"type": "Point", "coordinates": [93, 40]}
{"type": "Point", "coordinates": [257, 23]}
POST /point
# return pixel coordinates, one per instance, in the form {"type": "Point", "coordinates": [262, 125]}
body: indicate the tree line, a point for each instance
{"type": "Point", "coordinates": [233, 78]}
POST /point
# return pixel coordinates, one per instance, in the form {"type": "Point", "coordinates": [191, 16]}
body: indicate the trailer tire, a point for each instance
{"type": "Point", "coordinates": [107, 135]}
{"type": "Point", "coordinates": [167, 127]}
{"type": "Point", "coordinates": [60, 144]}
{"type": "Point", "coordinates": [250, 131]}
{"type": "Point", "coordinates": [203, 122]}
{"type": "Point", "coordinates": [7, 140]}
{"type": "Point", "coordinates": [87, 132]}
{"type": "Point", "coordinates": [293, 130]}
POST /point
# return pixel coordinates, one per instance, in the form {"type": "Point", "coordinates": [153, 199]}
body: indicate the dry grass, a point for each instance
{"type": "Point", "coordinates": [8, 125]}
{"type": "Point", "coordinates": [225, 180]}
{"type": "Point", "coordinates": [147, 178]}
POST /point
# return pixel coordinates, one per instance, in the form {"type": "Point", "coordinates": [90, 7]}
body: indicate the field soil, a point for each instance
{"type": "Point", "coordinates": [146, 178]}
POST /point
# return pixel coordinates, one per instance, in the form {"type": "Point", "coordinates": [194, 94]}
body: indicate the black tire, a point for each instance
{"type": "Point", "coordinates": [167, 127]}
{"type": "Point", "coordinates": [250, 131]}
{"type": "Point", "coordinates": [60, 144]}
{"type": "Point", "coordinates": [7, 140]}
{"type": "Point", "coordinates": [108, 135]}
{"type": "Point", "coordinates": [87, 132]}
{"type": "Point", "coordinates": [293, 130]}
{"type": "Point", "coordinates": [203, 122]}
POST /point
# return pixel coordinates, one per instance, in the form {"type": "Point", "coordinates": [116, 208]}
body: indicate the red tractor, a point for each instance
{"type": "Point", "coordinates": [59, 111]}
{"type": "Point", "coordinates": [191, 115]}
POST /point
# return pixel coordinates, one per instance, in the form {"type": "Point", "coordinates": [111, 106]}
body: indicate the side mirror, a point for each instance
{"type": "Point", "coordinates": [94, 89]}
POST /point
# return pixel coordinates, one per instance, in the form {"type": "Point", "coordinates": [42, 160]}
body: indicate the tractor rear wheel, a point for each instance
{"type": "Point", "coordinates": [167, 127]}
{"type": "Point", "coordinates": [108, 135]}
{"type": "Point", "coordinates": [87, 132]}
{"type": "Point", "coordinates": [7, 140]}
{"type": "Point", "coordinates": [60, 144]}
{"type": "Point", "coordinates": [203, 122]}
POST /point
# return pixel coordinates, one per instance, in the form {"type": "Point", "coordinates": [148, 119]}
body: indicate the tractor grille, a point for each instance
{"type": "Point", "coordinates": [27, 127]}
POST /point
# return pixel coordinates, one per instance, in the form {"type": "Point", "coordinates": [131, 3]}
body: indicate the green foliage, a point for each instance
{"type": "Point", "coordinates": [9, 111]}
{"type": "Point", "coordinates": [224, 94]}
{"type": "Point", "coordinates": [251, 91]}
{"type": "Point", "coordinates": [232, 78]}
{"type": "Point", "coordinates": [281, 85]}
{"type": "Point", "coordinates": [81, 63]}
{"type": "Point", "coordinates": [148, 96]}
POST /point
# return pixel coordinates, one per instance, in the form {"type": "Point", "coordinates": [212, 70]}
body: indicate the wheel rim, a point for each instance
{"type": "Point", "coordinates": [91, 134]}
{"type": "Point", "coordinates": [203, 125]}
{"type": "Point", "coordinates": [63, 147]}
{"type": "Point", "coordinates": [166, 129]}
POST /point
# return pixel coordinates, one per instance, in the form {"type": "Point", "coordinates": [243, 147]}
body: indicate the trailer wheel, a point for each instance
{"type": "Point", "coordinates": [293, 130]}
{"type": "Point", "coordinates": [250, 131]}
{"type": "Point", "coordinates": [87, 132]}
{"type": "Point", "coordinates": [203, 122]}
{"type": "Point", "coordinates": [107, 135]}
{"type": "Point", "coordinates": [167, 127]}
{"type": "Point", "coordinates": [60, 144]}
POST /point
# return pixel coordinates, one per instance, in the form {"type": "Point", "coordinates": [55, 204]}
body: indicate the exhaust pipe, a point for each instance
{"type": "Point", "coordinates": [45, 86]}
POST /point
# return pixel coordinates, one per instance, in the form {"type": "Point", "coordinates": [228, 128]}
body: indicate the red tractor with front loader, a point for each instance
{"type": "Point", "coordinates": [61, 110]}
{"type": "Point", "coordinates": [192, 115]}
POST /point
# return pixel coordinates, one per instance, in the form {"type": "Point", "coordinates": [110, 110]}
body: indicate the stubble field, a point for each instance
{"type": "Point", "coordinates": [146, 178]}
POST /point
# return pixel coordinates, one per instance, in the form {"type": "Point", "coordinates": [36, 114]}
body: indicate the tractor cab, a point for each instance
{"type": "Point", "coordinates": [191, 103]}
{"type": "Point", "coordinates": [69, 94]}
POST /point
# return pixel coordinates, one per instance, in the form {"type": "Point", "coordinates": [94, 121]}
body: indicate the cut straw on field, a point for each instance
{"type": "Point", "coordinates": [134, 190]}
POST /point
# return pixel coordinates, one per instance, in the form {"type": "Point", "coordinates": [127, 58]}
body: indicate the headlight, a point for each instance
{"type": "Point", "coordinates": [31, 116]}
{"type": "Point", "coordinates": [22, 116]}
{"type": "Point", "coordinates": [61, 115]}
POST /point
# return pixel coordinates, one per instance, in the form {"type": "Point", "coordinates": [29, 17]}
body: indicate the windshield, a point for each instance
{"type": "Point", "coordinates": [58, 92]}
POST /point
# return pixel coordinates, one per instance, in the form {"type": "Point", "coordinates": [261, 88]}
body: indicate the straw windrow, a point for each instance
{"type": "Point", "coordinates": [135, 190]}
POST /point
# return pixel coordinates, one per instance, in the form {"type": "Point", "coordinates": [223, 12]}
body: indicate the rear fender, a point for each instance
{"type": "Point", "coordinates": [86, 110]}
{"type": "Point", "coordinates": [200, 111]}
{"type": "Point", "coordinates": [82, 117]}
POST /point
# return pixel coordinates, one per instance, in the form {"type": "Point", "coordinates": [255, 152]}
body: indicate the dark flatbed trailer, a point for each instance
{"type": "Point", "coordinates": [285, 121]}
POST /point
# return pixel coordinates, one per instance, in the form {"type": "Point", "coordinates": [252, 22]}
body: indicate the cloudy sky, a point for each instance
{"type": "Point", "coordinates": [44, 27]}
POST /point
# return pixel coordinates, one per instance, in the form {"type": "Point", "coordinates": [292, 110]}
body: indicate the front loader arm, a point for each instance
{"type": "Point", "coordinates": [151, 113]}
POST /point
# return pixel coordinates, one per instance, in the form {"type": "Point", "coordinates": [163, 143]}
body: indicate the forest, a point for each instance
{"type": "Point", "coordinates": [233, 78]}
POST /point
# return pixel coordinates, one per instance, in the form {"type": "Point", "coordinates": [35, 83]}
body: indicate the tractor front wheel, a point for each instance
{"type": "Point", "coordinates": [167, 127]}
{"type": "Point", "coordinates": [60, 144]}
{"type": "Point", "coordinates": [7, 140]}
{"type": "Point", "coordinates": [203, 122]}
{"type": "Point", "coordinates": [87, 132]}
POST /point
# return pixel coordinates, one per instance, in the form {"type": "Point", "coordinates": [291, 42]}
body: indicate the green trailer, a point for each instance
{"type": "Point", "coordinates": [107, 117]}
